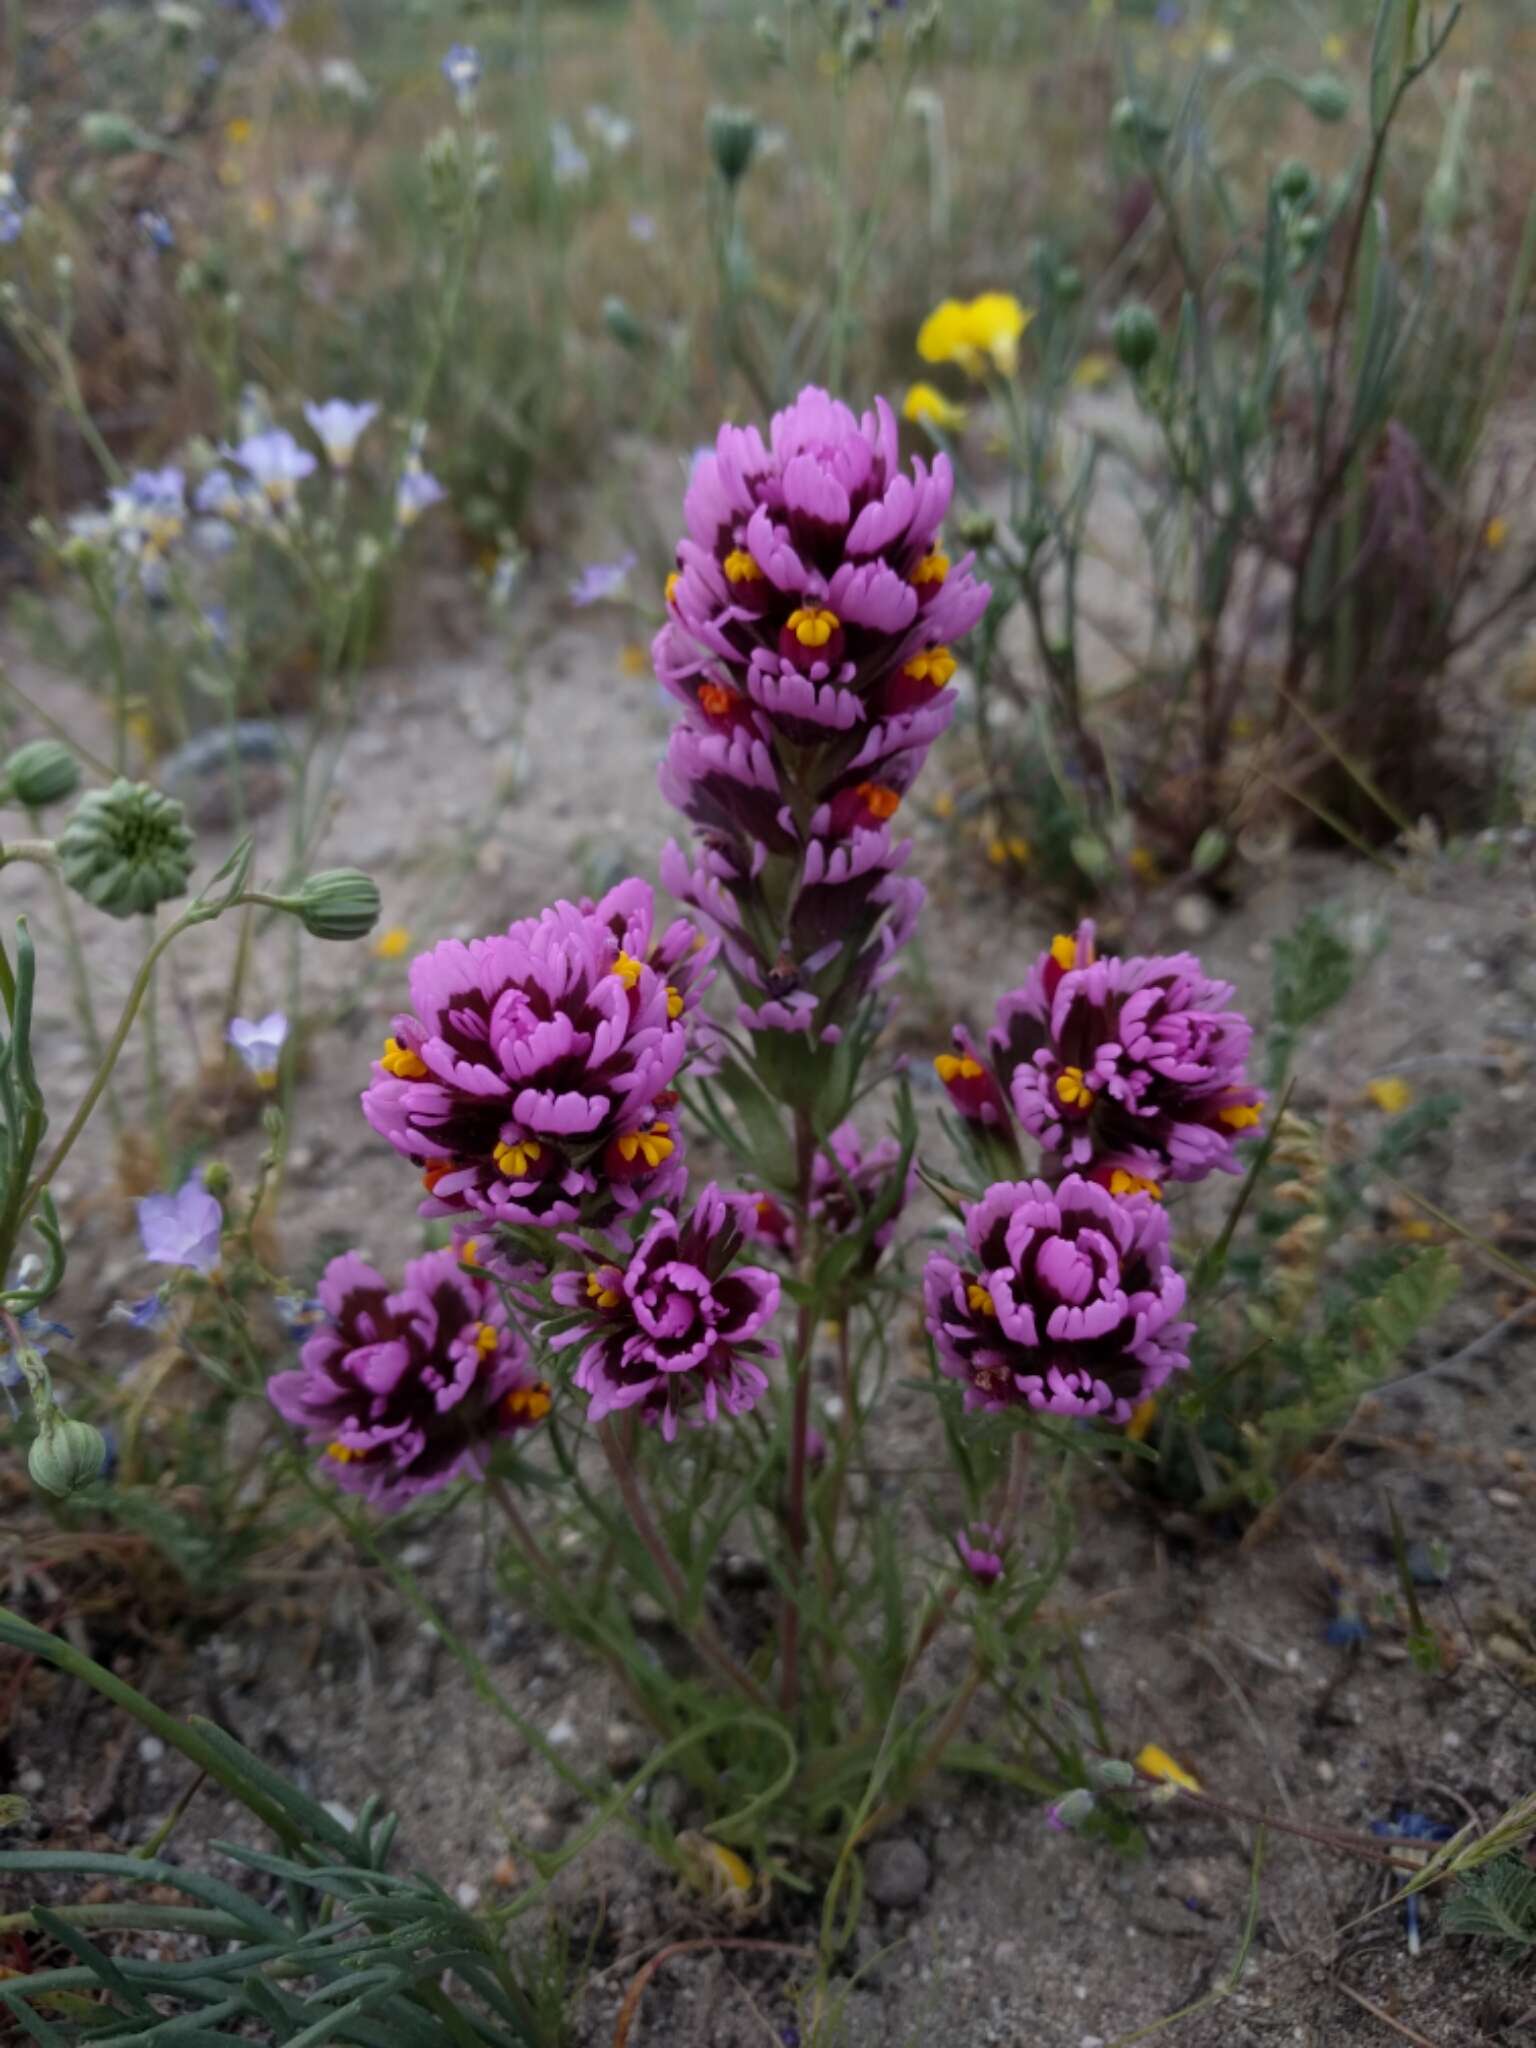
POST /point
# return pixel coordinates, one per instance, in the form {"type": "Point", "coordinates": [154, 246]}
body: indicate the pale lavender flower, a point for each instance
{"type": "Point", "coordinates": [601, 580]}
{"type": "Point", "coordinates": [569, 162]}
{"type": "Point", "coordinates": [13, 219]}
{"type": "Point", "coordinates": [642, 227]}
{"type": "Point", "coordinates": [260, 1043]}
{"type": "Point", "coordinates": [156, 229]}
{"type": "Point", "coordinates": [417, 491]}
{"type": "Point", "coordinates": [338, 427]}
{"type": "Point", "coordinates": [461, 68]}
{"type": "Point", "coordinates": [276, 464]}
{"type": "Point", "coordinates": [182, 1229]}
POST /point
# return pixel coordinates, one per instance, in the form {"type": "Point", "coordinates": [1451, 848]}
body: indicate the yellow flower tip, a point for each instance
{"type": "Point", "coordinates": [515, 1160]}
{"type": "Point", "coordinates": [726, 1865]}
{"type": "Point", "coordinates": [740, 567]}
{"type": "Point", "coordinates": [1153, 1762]}
{"type": "Point", "coordinates": [653, 1146]}
{"type": "Point", "coordinates": [952, 1066]}
{"type": "Point", "coordinates": [944, 805]}
{"type": "Point", "coordinates": [933, 665]}
{"type": "Point", "coordinates": [1241, 1116]}
{"type": "Point", "coordinates": [400, 1061]}
{"type": "Point", "coordinates": [1094, 371]}
{"type": "Point", "coordinates": [674, 1002]}
{"type": "Point", "coordinates": [979, 1301]}
{"type": "Point", "coordinates": [343, 1454]}
{"type": "Point", "coordinates": [926, 406]}
{"type": "Point", "coordinates": [813, 625]}
{"type": "Point", "coordinates": [1417, 1230]}
{"type": "Point", "coordinates": [975, 333]}
{"type": "Point", "coordinates": [1495, 533]}
{"type": "Point", "coordinates": [485, 1339]}
{"type": "Point", "coordinates": [263, 212]}
{"type": "Point", "coordinates": [391, 943]}
{"type": "Point", "coordinates": [1390, 1094]}
{"type": "Point", "coordinates": [997, 852]}
{"type": "Point", "coordinates": [1019, 851]}
{"type": "Point", "coordinates": [528, 1404]}
{"type": "Point", "coordinates": [266, 1077]}
{"type": "Point", "coordinates": [628, 968]}
{"type": "Point", "coordinates": [715, 699]}
{"type": "Point", "coordinates": [1142, 1417]}
{"type": "Point", "coordinates": [1142, 864]}
{"type": "Point", "coordinates": [240, 130]}
{"type": "Point", "coordinates": [1123, 1183]}
{"type": "Point", "coordinates": [879, 799]}
{"type": "Point", "coordinates": [1064, 952]}
{"type": "Point", "coordinates": [469, 1252]}
{"type": "Point", "coordinates": [601, 1292]}
{"type": "Point", "coordinates": [1072, 1089]}
{"type": "Point", "coordinates": [1335, 49]}
{"type": "Point", "coordinates": [933, 568]}
{"type": "Point", "coordinates": [632, 659]}
{"type": "Point", "coordinates": [670, 586]}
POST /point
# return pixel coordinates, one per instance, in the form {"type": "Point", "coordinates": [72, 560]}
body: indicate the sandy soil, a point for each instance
{"type": "Point", "coordinates": [1213, 1650]}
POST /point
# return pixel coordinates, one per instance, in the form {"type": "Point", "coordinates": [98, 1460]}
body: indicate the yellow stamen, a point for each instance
{"type": "Point", "coordinates": [515, 1160]}
{"type": "Point", "coordinates": [627, 968]}
{"type": "Point", "coordinates": [343, 1454]}
{"type": "Point", "coordinates": [528, 1404]}
{"type": "Point", "coordinates": [599, 1291]}
{"type": "Point", "coordinates": [934, 665]}
{"type": "Point", "coordinates": [1389, 1093]}
{"type": "Point", "coordinates": [1241, 1116]}
{"type": "Point", "coordinates": [1123, 1183]}
{"type": "Point", "coordinates": [400, 1061]}
{"type": "Point", "coordinates": [485, 1339]}
{"type": "Point", "coordinates": [1072, 1088]}
{"type": "Point", "coordinates": [933, 568]}
{"type": "Point", "coordinates": [468, 1251]}
{"type": "Point", "coordinates": [1142, 1417]}
{"type": "Point", "coordinates": [741, 568]}
{"type": "Point", "coordinates": [716, 699]}
{"type": "Point", "coordinates": [653, 1146]}
{"type": "Point", "coordinates": [954, 1066]}
{"type": "Point", "coordinates": [1064, 952]}
{"type": "Point", "coordinates": [880, 801]}
{"type": "Point", "coordinates": [390, 944]}
{"type": "Point", "coordinates": [671, 584]}
{"type": "Point", "coordinates": [674, 1002]}
{"type": "Point", "coordinates": [978, 1300]}
{"type": "Point", "coordinates": [813, 625]}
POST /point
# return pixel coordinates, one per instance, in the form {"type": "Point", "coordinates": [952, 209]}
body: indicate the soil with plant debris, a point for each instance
{"type": "Point", "coordinates": [979, 1923]}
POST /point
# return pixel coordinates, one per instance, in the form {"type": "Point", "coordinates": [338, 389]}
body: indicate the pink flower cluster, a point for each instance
{"type": "Point", "coordinates": [810, 624]}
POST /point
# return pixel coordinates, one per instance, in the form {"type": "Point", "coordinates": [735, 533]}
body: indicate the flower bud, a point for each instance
{"type": "Point", "coordinates": [621, 323]}
{"type": "Point", "coordinates": [218, 1180]}
{"type": "Point", "coordinates": [1136, 336]}
{"type": "Point", "coordinates": [105, 133]}
{"type": "Point", "coordinates": [338, 903]}
{"type": "Point", "coordinates": [1294, 182]}
{"type": "Point", "coordinates": [126, 849]}
{"type": "Point", "coordinates": [1072, 1809]}
{"type": "Point", "coordinates": [1326, 96]}
{"type": "Point", "coordinates": [1115, 1773]}
{"type": "Point", "coordinates": [42, 772]}
{"type": "Point", "coordinates": [1135, 120]}
{"type": "Point", "coordinates": [977, 529]}
{"type": "Point", "coordinates": [1211, 849]}
{"type": "Point", "coordinates": [732, 134]}
{"type": "Point", "coordinates": [858, 45]}
{"type": "Point", "coordinates": [769, 39]}
{"type": "Point", "coordinates": [65, 1454]}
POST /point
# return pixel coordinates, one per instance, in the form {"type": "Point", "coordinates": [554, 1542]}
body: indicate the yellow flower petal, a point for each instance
{"type": "Point", "coordinates": [1389, 1094]}
{"type": "Point", "coordinates": [926, 406]}
{"type": "Point", "coordinates": [1095, 370]}
{"type": "Point", "coordinates": [975, 333]}
{"type": "Point", "coordinates": [1153, 1762]}
{"type": "Point", "coordinates": [391, 944]}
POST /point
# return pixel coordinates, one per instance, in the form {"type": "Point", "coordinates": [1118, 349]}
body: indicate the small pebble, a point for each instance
{"type": "Point", "coordinates": [1326, 1774]}
{"type": "Point", "coordinates": [468, 1895]}
{"type": "Point", "coordinates": [897, 1871]}
{"type": "Point", "coordinates": [505, 1872]}
{"type": "Point", "coordinates": [563, 1732]}
{"type": "Point", "coordinates": [1501, 1497]}
{"type": "Point", "coordinates": [151, 1749]}
{"type": "Point", "coordinates": [342, 1815]}
{"type": "Point", "coordinates": [31, 1782]}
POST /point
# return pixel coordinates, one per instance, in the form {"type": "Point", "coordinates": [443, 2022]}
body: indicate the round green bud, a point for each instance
{"type": "Point", "coordinates": [621, 323]}
{"type": "Point", "coordinates": [1211, 849]}
{"type": "Point", "coordinates": [108, 134]}
{"type": "Point", "coordinates": [1137, 336]}
{"type": "Point", "coordinates": [1294, 182]}
{"type": "Point", "coordinates": [65, 1454]}
{"type": "Point", "coordinates": [1073, 1808]}
{"type": "Point", "coordinates": [1112, 1771]}
{"type": "Point", "coordinates": [1306, 233]}
{"type": "Point", "coordinates": [1135, 120]}
{"type": "Point", "coordinates": [42, 772]}
{"type": "Point", "coordinates": [218, 1180]}
{"type": "Point", "coordinates": [976, 529]}
{"type": "Point", "coordinates": [1326, 96]}
{"type": "Point", "coordinates": [732, 134]}
{"type": "Point", "coordinates": [126, 849]}
{"type": "Point", "coordinates": [339, 903]}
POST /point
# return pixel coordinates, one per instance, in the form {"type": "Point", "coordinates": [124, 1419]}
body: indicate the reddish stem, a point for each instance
{"type": "Point", "coordinates": [800, 1423]}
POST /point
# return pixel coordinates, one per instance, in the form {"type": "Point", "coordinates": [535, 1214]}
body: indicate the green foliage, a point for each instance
{"type": "Point", "coordinates": [1496, 1903]}
{"type": "Point", "coordinates": [1313, 970]}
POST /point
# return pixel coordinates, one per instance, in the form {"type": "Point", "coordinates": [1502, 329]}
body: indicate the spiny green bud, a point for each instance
{"type": "Point", "coordinates": [126, 849]}
{"type": "Point", "coordinates": [620, 321]}
{"type": "Point", "coordinates": [1326, 96]}
{"type": "Point", "coordinates": [732, 134]}
{"type": "Point", "coordinates": [1073, 1808]}
{"type": "Point", "coordinates": [42, 772]}
{"type": "Point", "coordinates": [1294, 182]}
{"type": "Point", "coordinates": [339, 903]}
{"type": "Point", "coordinates": [976, 529]}
{"type": "Point", "coordinates": [1112, 1771]}
{"type": "Point", "coordinates": [218, 1180]}
{"type": "Point", "coordinates": [65, 1454]}
{"type": "Point", "coordinates": [1136, 336]}
{"type": "Point", "coordinates": [107, 134]}
{"type": "Point", "coordinates": [1136, 120]}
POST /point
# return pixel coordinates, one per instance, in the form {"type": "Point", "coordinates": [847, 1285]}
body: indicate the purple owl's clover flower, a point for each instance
{"type": "Point", "coordinates": [531, 1083]}
{"type": "Point", "coordinates": [1063, 1299]}
{"type": "Point", "coordinates": [407, 1390]}
{"type": "Point", "coordinates": [808, 639]}
{"type": "Point", "coordinates": [671, 1326]}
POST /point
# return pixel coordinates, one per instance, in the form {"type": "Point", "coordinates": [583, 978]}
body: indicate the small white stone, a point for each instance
{"type": "Point", "coordinates": [468, 1895]}
{"type": "Point", "coordinates": [1450, 1739]}
{"type": "Point", "coordinates": [1501, 1497]}
{"type": "Point", "coordinates": [151, 1749]}
{"type": "Point", "coordinates": [343, 1816]}
{"type": "Point", "coordinates": [1293, 1659]}
{"type": "Point", "coordinates": [563, 1732]}
{"type": "Point", "coordinates": [1326, 1774]}
{"type": "Point", "coordinates": [31, 1782]}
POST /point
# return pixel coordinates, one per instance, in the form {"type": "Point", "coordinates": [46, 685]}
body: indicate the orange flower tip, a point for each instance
{"type": "Point", "coordinates": [1064, 952]}
{"type": "Point", "coordinates": [433, 1172]}
{"type": "Point", "coordinates": [391, 943]}
{"type": "Point", "coordinates": [1153, 1762]}
{"type": "Point", "coordinates": [1241, 1116]}
{"type": "Point", "coordinates": [400, 1061]}
{"type": "Point", "coordinates": [528, 1404]}
{"type": "Point", "coordinates": [933, 568]}
{"type": "Point", "coordinates": [671, 584]}
{"type": "Point", "coordinates": [953, 1066]}
{"type": "Point", "coordinates": [715, 699]}
{"type": "Point", "coordinates": [879, 800]}
{"type": "Point", "coordinates": [979, 1301]}
{"type": "Point", "coordinates": [468, 1252]}
{"type": "Point", "coordinates": [1123, 1183]}
{"type": "Point", "coordinates": [344, 1454]}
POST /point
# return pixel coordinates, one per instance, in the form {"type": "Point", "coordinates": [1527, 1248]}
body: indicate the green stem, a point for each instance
{"type": "Point", "coordinates": [153, 1084]}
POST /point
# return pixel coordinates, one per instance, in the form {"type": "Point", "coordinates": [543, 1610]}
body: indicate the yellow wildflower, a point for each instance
{"type": "Point", "coordinates": [926, 406]}
{"type": "Point", "coordinates": [1495, 533]}
{"type": "Point", "coordinates": [979, 334]}
{"type": "Point", "coordinates": [1094, 371]}
{"type": "Point", "coordinates": [1153, 1762]}
{"type": "Point", "coordinates": [1389, 1093]}
{"type": "Point", "coordinates": [391, 943]}
{"type": "Point", "coordinates": [1143, 1415]}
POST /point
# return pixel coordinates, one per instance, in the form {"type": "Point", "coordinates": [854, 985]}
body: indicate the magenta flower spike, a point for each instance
{"type": "Point", "coordinates": [531, 1082]}
{"type": "Point", "coordinates": [808, 640]}
{"type": "Point", "coordinates": [1062, 1299]}
{"type": "Point", "coordinates": [408, 1390]}
{"type": "Point", "coordinates": [671, 1325]}
{"type": "Point", "coordinates": [1132, 1067]}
